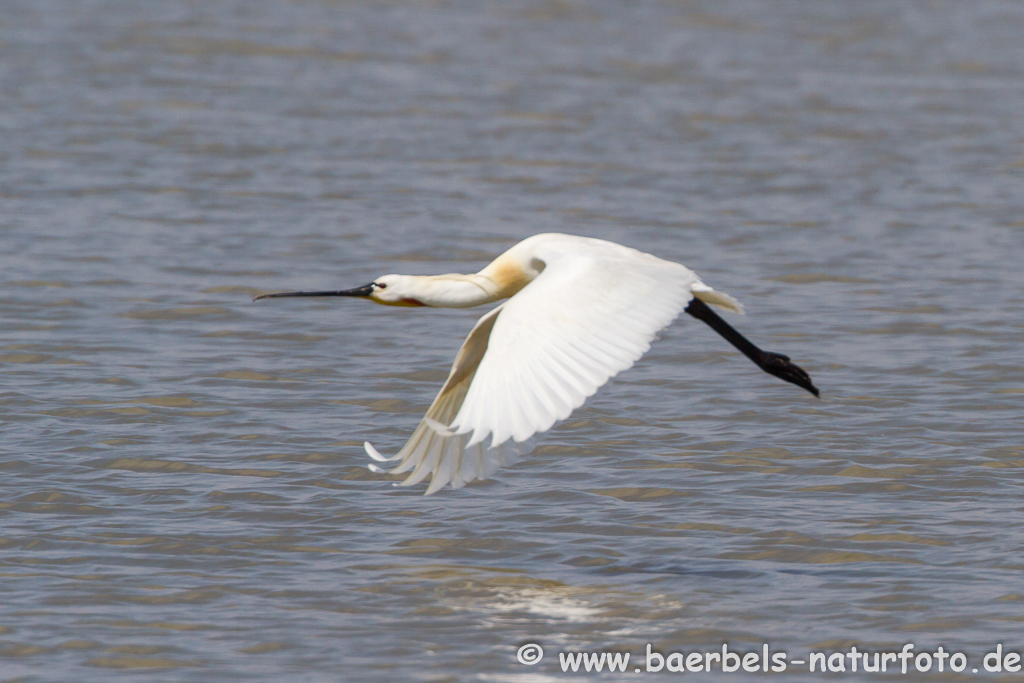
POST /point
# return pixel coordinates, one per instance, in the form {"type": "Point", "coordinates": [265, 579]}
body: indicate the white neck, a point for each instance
{"type": "Point", "coordinates": [451, 291]}
{"type": "Point", "coordinates": [502, 278]}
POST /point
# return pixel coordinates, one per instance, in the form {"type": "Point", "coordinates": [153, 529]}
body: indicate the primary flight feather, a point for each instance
{"type": "Point", "coordinates": [579, 311]}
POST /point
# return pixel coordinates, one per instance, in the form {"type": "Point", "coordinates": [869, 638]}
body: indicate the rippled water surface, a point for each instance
{"type": "Point", "coordinates": [184, 494]}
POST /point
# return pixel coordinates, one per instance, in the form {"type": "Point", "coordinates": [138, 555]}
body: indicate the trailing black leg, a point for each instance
{"type": "Point", "coordinates": [772, 363]}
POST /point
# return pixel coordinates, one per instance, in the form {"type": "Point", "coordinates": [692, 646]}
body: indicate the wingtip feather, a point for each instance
{"type": "Point", "coordinates": [375, 454]}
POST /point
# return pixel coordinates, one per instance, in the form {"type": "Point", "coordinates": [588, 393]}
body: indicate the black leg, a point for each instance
{"type": "Point", "coordinates": [772, 363]}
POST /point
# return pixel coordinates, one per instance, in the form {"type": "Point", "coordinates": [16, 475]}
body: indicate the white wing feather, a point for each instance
{"type": "Point", "coordinates": [590, 314]}
{"type": "Point", "coordinates": [433, 449]}
{"type": "Point", "coordinates": [584, 319]}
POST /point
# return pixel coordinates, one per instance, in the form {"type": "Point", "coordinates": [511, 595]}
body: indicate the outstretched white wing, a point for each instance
{"type": "Point", "coordinates": [590, 314]}
{"type": "Point", "coordinates": [433, 449]}
{"type": "Point", "coordinates": [584, 319]}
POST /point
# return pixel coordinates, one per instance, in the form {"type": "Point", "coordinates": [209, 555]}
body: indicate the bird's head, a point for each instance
{"type": "Point", "coordinates": [396, 290]}
{"type": "Point", "coordinates": [390, 290]}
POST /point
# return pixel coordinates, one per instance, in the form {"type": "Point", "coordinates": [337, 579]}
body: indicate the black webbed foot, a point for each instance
{"type": "Point", "coordinates": [780, 366]}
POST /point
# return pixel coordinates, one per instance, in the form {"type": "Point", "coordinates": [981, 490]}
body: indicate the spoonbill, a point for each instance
{"type": "Point", "coordinates": [579, 311]}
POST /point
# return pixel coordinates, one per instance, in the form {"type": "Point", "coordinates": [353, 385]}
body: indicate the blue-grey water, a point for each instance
{"type": "Point", "coordinates": [184, 495]}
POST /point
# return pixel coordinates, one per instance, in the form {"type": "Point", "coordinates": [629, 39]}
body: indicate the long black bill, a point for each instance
{"type": "Point", "coordinates": [364, 291]}
{"type": "Point", "coordinates": [772, 363]}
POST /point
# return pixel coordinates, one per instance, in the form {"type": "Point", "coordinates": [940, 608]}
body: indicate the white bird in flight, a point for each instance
{"type": "Point", "coordinates": [579, 311]}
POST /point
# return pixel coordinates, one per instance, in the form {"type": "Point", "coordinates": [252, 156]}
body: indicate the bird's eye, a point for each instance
{"type": "Point", "coordinates": [380, 285]}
